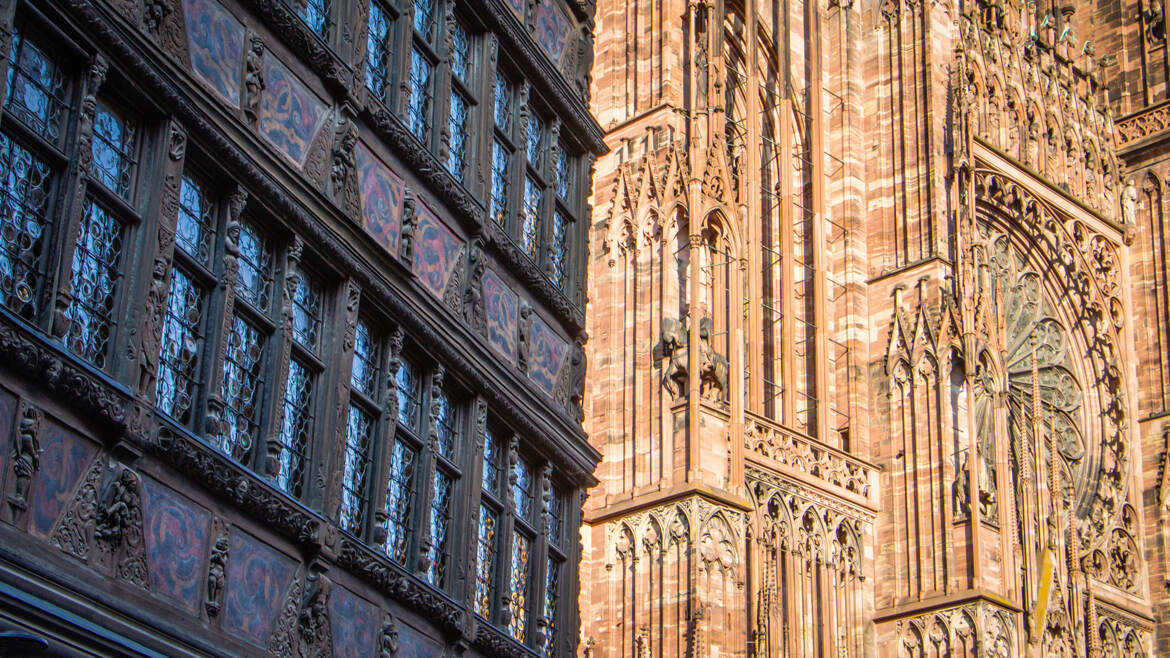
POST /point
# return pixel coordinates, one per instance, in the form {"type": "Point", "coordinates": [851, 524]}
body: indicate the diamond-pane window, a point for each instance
{"type": "Point", "coordinates": [378, 50]}
{"type": "Point", "coordinates": [445, 430]}
{"type": "Point", "coordinates": [35, 89]}
{"type": "Point", "coordinates": [518, 586]}
{"type": "Point", "coordinates": [457, 127]}
{"type": "Point", "coordinates": [179, 348]}
{"type": "Point", "coordinates": [418, 111]}
{"type": "Point", "coordinates": [503, 104]}
{"type": "Point", "coordinates": [364, 375]}
{"type": "Point", "coordinates": [254, 276]}
{"type": "Point", "coordinates": [437, 548]}
{"type": "Point", "coordinates": [530, 229]}
{"type": "Point", "coordinates": [485, 563]}
{"type": "Point", "coordinates": [556, 518]}
{"type": "Point", "coordinates": [559, 251]}
{"type": "Point", "coordinates": [97, 259]}
{"type": "Point", "coordinates": [359, 430]}
{"type": "Point", "coordinates": [461, 52]}
{"type": "Point", "coordinates": [296, 428]}
{"type": "Point", "coordinates": [24, 224]}
{"type": "Point", "coordinates": [552, 579]}
{"type": "Point", "coordinates": [564, 175]}
{"type": "Point", "coordinates": [306, 312]}
{"type": "Point", "coordinates": [535, 141]}
{"type": "Point", "coordinates": [407, 388]}
{"type": "Point", "coordinates": [399, 498]}
{"type": "Point", "coordinates": [500, 161]}
{"type": "Point", "coordinates": [113, 150]}
{"type": "Point", "coordinates": [522, 489]}
{"type": "Point", "coordinates": [315, 13]}
{"type": "Point", "coordinates": [491, 463]}
{"type": "Point", "coordinates": [424, 18]}
{"type": "Point", "coordinates": [242, 386]}
{"type": "Point", "coordinates": [195, 229]}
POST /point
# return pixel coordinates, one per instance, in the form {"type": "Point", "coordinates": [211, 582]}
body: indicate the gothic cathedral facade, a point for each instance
{"type": "Point", "coordinates": [878, 323]}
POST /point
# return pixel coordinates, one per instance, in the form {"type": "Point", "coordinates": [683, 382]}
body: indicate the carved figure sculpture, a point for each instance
{"type": "Point", "coordinates": [406, 236]}
{"type": "Point", "coordinates": [314, 619]}
{"type": "Point", "coordinates": [713, 367]}
{"type": "Point", "coordinates": [253, 77]}
{"type": "Point", "coordinates": [216, 575]}
{"type": "Point", "coordinates": [119, 500]}
{"type": "Point", "coordinates": [1129, 198]}
{"type": "Point", "coordinates": [473, 310]}
{"type": "Point", "coordinates": [577, 363]}
{"type": "Point", "coordinates": [343, 157]}
{"type": "Point", "coordinates": [674, 340]}
{"type": "Point", "coordinates": [151, 333]}
{"type": "Point", "coordinates": [26, 456]}
{"type": "Point", "coordinates": [525, 335]}
{"type": "Point", "coordinates": [388, 643]}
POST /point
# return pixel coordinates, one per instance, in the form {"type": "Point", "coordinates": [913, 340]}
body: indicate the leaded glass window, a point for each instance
{"type": "Point", "coordinates": [437, 548]}
{"type": "Point", "coordinates": [399, 501]}
{"type": "Point", "coordinates": [522, 489]}
{"type": "Point", "coordinates": [24, 223]}
{"type": "Point", "coordinates": [97, 259]}
{"type": "Point", "coordinates": [564, 175]}
{"type": "Point", "coordinates": [254, 276]}
{"type": "Point", "coordinates": [379, 49]}
{"type": "Point", "coordinates": [500, 162]}
{"type": "Point", "coordinates": [306, 312]}
{"type": "Point", "coordinates": [558, 251]}
{"type": "Point", "coordinates": [485, 563]}
{"type": "Point", "coordinates": [359, 430]}
{"type": "Point", "coordinates": [556, 515]}
{"type": "Point", "coordinates": [407, 388]}
{"type": "Point", "coordinates": [461, 53]}
{"type": "Point", "coordinates": [445, 427]}
{"type": "Point", "coordinates": [113, 150]}
{"type": "Point", "coordinates": [179, 348]}
{"type": "Point", "coordinates": [36, 89]}
{"type": "Point", "coordinates": [364, 375]}
{"type": "Point", "coordinates": [491, 463]}
{"type": "Point", "coordinates": [425, 15]}
{"type": "Point", "coordinates": [457, 127]}
{"type": "Point", "coordinates": [518, 586]}
{"type": "Point", "coordinates": [418, 111]}
{"type": "Point", "coordinates": [242, 389]}
{"type": "Point", "coordinates": [535, 141]}
{"type": "Point", "coordinates": [503, 109]}
{"type": "Point", "coordinates": [295, 429]}
{"type": "Point", "coordinates": [552, 579]}
{"type": "Point", "coordinates": [315, 13]}
{"type": "Point", "coordinates": [530, 229]}
{"type": "Point", "coordinates": [195, 229]}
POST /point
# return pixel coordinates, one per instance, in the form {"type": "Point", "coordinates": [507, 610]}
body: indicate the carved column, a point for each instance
{"type": "Point", "coordinates": [212, 424]}
{"type": "Point", "coordinates": [269, 465]}
{"type": "Point", "coordinates": [381, 475]}
{"type": "Point", "coordinates": [331, 463]}
{"type": "Point", "coordinates": [429, 458]}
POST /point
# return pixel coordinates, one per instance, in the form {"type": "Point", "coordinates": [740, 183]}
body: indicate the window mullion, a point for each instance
{"type": "Point", "coordinates": [550, 192]}
{"type": "Point", "coordinates": [387, 435]}
{"type": "Point", "coordinates": [469, 531]}
{"type": "Point", "coordinates": [507, 526]}
{"type": "Point", "coordinates": [519, 173]}
{"type": "Point", "coordinates": [441, 111]}
{"type": "Point", "coordinates": [426, 486]}
{"type": "Point", "coordinates": [269, 456]}
{"type": "Point", "coordinates": [536, 572]}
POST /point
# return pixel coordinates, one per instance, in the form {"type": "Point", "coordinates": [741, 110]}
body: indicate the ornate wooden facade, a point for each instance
{"type": "Point", "coordinates": [291, 325]}
{"type": "Point", "coordinates": [876, 317]}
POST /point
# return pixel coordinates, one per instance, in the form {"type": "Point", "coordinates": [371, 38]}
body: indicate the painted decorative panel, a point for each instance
{"type": "Point", "coordinates": [501, 312]}
{"type": "Point", "coordinates": [258, 581]}
{"type": "Point", "coordinates": [517, 7]}
{"type": "Point", "coordinates": [176, 540]}
{"type": "Point", "coordinates": [7, 421]}
{"type": "Point", "coordinates": [65, 457]}
{"type": "Point", "coordinates": [436, 251]}
{"type": "Point", "coordinates": [546, 353]}
{"type": "Point", "coordinates": [355, 622]}
{"type": "Point", "coordinates": [289, 113]}
{"type": "Point", "coordinates": [412, 644]}
{"type": "Point", "coordinates": [215, 40]}
{"type": "Point", "coordinates": [552, 30]}
{"type": "Point", "coordinates": [382, 197]}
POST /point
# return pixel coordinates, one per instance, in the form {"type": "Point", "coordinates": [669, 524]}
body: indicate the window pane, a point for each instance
{"type": "Point", "coordinates": [522, 489]}
{"type": "Point", "coordinates": [457, 126]}
{"type": "Point", "coordinates": [535, 141]}
{"type": "Point", "coordinates": [491, 463]}
{"type": "Point", "coordinates": [195, 230]}
{"type": "Point", "coordinates": [461, 52]}
{"type": "Point", "coordinates": [419, 110]}
{"type": "Point", "coordinates": [564, 174]}
{"type": "Point", "coordinates": [424, 18]}
{"type": "Point", "coordinates": [295, 429]}
{"type": "Point", "coordinates": [113, 150]}
{"type": "Point", "coordinates": [316, 14]}
{"type": "Point", "coordinates": [559, 251]}
{"type": "Point", "coordinates": [530, 230]}
{"type": "Point", "coordinates": [518, 585]}
{"type": "Point", "coordinates": [399, 498]}
{"type": "Point", "coordinates": [437, 549]}
{"type": "Point", "coordinates": [552, 579]}
{"type": "Point", "coordinates": [359, 430]}
{"type": "Point", "coordinates": [179, 349]}
{"type": "Point", "coordinates": [24, 204]}
{"type": "Point", "coordinates": [378, 53]}
{"type": "Point", "coordinates": [365, 361]}
{"type": "Point", "coordinates": [500, 161]}
{"type": "Point", "coordinates": [254, 277]}
{"type": "Point", "coordinates": [36, 89]}
{"type": "Point", "coordinates": [556, 513]}
{"type": "Point", "coordinates": [485, 564]}
{"type": "Point", "coordinates": [445, 427]}
{"type": "Point", "coordinates": [96, 261]}
{"type": "Point", "coordinates": [503, 104]}
{"type": "Point", "coordinates": [241, 389]}
{"type": "Point", "coordinates": [306, 310]}
{"type": "Point", "coordinates": [406, 384]}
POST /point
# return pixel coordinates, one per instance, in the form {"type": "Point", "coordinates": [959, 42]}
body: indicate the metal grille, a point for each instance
{"type": "Point", "coordinates": [518, 584]}
{"type": "Point", "coordinates": [195, 229]}
{"type": "Point", "coordinates": [96, 262]}
{"type": "Point", "coordinates": [179, 353]}
{"type": "Point", "coordinates": [254, 277]}
{"type": "Point", "coordinates": [437, 549]}
{"type": "Point", "coordinates": [418, 112]}
{"type": "Point", "coordinates": [113, 150]}
{"type": "Point", "coordinates": [378, 50]}
{"type": "Point", "coordinates": [364, 376]}
{"type": "Point", "coordinates": [36, 89]}
{"type": "Point", "coordinates": [399, 498]}
{"type": "Point", "coordinates": [500, 161]}
{"type": "Point", "coordinates": [530, 231]}
{"type": "Point", "coordinates": [485, 563]}
{"type": "Point", "coordinates": [457, 126]}
{"type": "Point", "coordinates": [24, 221]}
{"type": "Point", "coordinates": [306, 312]}
{"type": "Point", "coordinates": [295, 429]}
{"type": "Point", "coordinates": [359, 430]}
{"type": "Point", "coordinates": [242, 386]}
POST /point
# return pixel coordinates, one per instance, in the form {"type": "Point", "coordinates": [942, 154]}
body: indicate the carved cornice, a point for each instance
{"type": "Point", "coordinates": [405, 588]}
{"type": "Point", "coordinates": [1147, 123]}
{"type": "Point", "coordinates": [279, 18]}
{"type": "Point", "coordinates": [577, 468]}
{"type": "Point", "coordinates": [496, 644]}
{"type": "Point", "coordinates": [534, 278]}
{"type": "Point", "coordinates": [820, 462]}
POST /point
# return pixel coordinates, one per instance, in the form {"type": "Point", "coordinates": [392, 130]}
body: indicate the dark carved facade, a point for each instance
{"type": "Point", "coordinates": [291, 326]}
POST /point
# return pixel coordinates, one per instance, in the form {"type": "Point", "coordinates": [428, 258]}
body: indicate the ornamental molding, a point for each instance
{"type": "Point", "coordinates": [308, 46]}
{"type": "Point", "coordinates": [401, 586]}
{"type": "Point", "coordinates": [809, 457]}
{"type": "Point", "coordinates": [1147, 123]}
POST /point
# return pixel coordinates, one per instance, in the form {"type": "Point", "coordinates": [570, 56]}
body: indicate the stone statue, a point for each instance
{"type": "Point", "coordinates": [388, 643]}
{"type": "Point", "coordinates": [1129, 198]}
{"type": "Point", "coordinates": [26, 456]}
{"type": "Point", "coordinates": [119, 500]}
{"type": "Point", "coordinates": [713, 367]}
{"type": "Point", "coordinates": [254, 77]}
{"type": "Point", "coordinates": [216, 575]}
{"type": "Point", "coordinates": [674, 342]}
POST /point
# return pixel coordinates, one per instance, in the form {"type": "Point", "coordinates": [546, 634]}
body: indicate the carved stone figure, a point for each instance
{"type": "Point", "coordinates": [343, 157]}
{"type": "Point", "coordinates": [388, 641]}
{"type": "Point", "coordinates": [119, 501]}
{"type": "Point", "coordinates": [577, 366]}
{"type": "Point", "coordinates": [154, 12]}
{"type": "Point", "coordinates": [959, 491]}
{"type": "Point", "coordinates": [313, 622]}
{"type": "Point", "coordinates": [26, 456]}
{"type": "Point", "coordinates": [473, 309]}
{"type": "Point", "coordinates": [253, 77]}
{"type": "Point", "coordinates": [1129, 199]}
{"type": "Point", "coordinates": [525, 336]}
{"type": "Point", "coordinates": [409, 221]}
{"type": "Point", "coordinates": [713, 367]}
{"type": "Point", "coordinates": [674, 341]}
{"type": "Point", "coordinates": [216, 575]}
